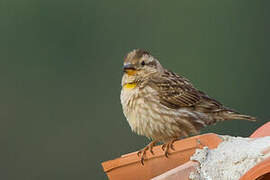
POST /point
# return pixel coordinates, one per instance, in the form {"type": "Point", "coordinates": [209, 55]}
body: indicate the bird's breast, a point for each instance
{"type": "Point", "coordinates": [140, 107]}
{"type": "Point", "coordinates": [130, 99]}
{"type": "Point", "coordinates": [146, 116]}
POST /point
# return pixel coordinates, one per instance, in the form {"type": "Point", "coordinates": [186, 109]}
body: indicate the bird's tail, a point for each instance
{"type": "Point", "coordinates": [243, 117]}
{"type": "Point", "coordinates": [228, 114]}
{"type": "Point", "coordinates": [235, 115]}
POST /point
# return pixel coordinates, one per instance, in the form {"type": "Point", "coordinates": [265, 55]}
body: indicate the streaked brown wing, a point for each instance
{"type": "Point", "coordinates": [175, 91]}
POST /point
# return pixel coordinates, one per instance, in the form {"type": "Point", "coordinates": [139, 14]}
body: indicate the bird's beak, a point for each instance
{"type": "Point", "coordinates": [129, 69]}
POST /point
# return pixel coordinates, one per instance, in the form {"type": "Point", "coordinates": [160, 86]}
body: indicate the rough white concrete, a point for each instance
{"type": "Point", "coordinates": [231, 159]}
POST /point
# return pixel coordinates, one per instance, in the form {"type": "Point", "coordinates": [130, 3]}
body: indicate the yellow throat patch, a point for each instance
{"type": "Point", "coordinates": [130, 85]}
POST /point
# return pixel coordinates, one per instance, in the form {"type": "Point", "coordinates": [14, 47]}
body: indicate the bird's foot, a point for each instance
{"type": "Point", "coordinates": [166, 146]}
{"type": "Point", "coordinates": [142, 152]}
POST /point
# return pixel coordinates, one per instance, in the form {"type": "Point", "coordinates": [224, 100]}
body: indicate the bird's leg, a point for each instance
{"type": "Point", "coordinates": [149, 147]}
{"type": "Point", "coordinates": [169, 145]}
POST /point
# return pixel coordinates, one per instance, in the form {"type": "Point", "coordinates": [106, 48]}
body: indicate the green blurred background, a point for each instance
{"type": "Point", "coordinates": [61, 67]}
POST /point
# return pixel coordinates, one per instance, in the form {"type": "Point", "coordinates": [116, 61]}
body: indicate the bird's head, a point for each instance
{"type": "Point", "coordinates": [138, 66]}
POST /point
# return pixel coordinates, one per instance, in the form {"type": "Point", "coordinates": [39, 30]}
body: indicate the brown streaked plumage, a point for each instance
{"type": "Point", "coordinates": [164, 106]}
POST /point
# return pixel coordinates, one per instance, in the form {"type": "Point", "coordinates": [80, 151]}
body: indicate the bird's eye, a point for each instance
{"type": "Point", "coordinates": [142, 63]}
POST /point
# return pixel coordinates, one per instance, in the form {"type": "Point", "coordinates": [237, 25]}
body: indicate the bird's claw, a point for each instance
{"type": "Point", "coordinates": [142, 152]}
{"type": "Point", "coordinates": [165, 147]}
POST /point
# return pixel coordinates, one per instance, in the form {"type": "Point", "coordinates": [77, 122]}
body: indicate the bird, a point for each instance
{"type": "Point", "coordinates": [164, 106]}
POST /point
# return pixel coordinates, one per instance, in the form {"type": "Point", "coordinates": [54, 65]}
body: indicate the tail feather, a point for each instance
{"type": "Point", "coordinates": [234, 115]}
